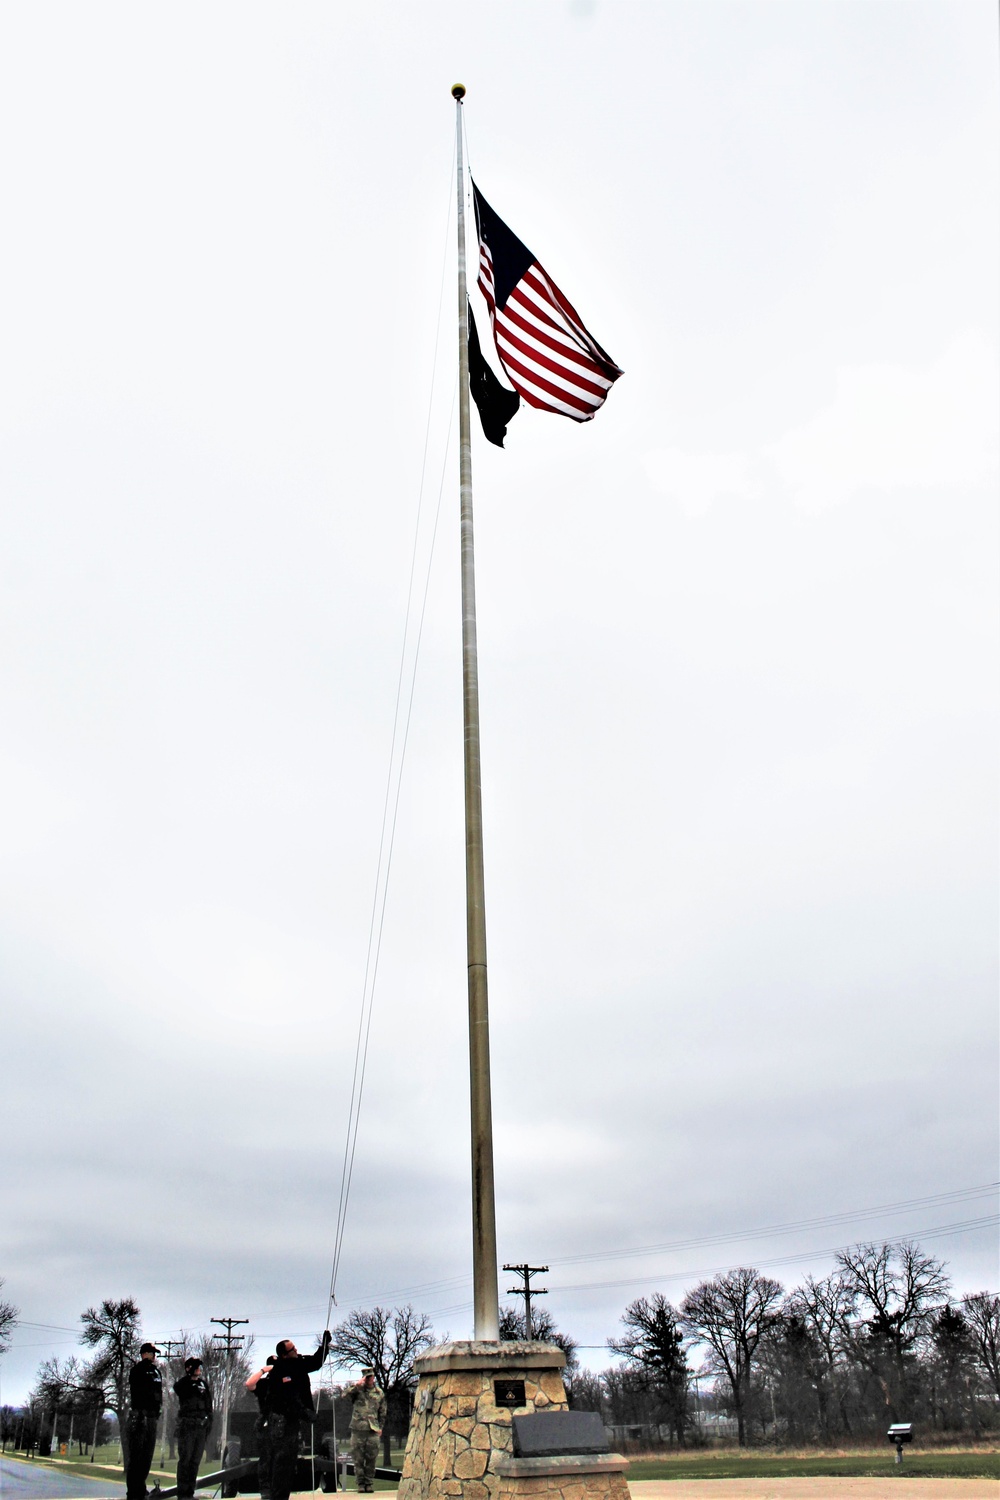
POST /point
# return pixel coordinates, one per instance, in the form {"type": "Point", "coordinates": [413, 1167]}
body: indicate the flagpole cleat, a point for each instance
{"type": "Point", "coordinates": [458, 91]}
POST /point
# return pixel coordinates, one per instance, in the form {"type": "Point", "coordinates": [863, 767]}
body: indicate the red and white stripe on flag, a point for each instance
{"type": "Point", "coordinates": [547, 353]}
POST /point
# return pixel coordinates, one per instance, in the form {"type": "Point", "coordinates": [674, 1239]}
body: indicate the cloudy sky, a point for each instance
{"type": "Point", "coordinates": [738, 653]}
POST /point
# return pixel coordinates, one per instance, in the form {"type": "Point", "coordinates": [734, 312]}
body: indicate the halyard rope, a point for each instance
{"type": "Point", "coordinates": [400, 735]}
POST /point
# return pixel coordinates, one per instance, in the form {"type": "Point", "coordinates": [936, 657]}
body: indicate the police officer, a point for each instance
{"type": "Point", "coordinates": [145, 1389]}
{"type": "Point", "coordinates": [289, 1403]}
{"type": "Point", "coordinates": [257, 1384]}
{"type": "Point", "coordinates": [194, 1422]}
{"type": "Point", "coordinates": [367, 1421]}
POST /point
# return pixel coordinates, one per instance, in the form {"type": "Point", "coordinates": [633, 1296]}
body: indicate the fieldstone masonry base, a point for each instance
{"type": "Point", "coordinates": [460, 1441]}
{"type": "Point", "coordinates": [594, 1477]}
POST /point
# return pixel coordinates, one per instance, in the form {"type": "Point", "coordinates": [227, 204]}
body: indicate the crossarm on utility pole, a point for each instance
{"type": "Point", "coordinates": [527, 1291]}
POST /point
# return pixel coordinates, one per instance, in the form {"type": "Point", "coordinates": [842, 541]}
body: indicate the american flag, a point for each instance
{"type": "Point", "coordinates": [548, 354]}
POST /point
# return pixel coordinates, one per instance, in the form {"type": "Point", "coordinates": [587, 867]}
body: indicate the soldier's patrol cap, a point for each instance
{"type": "Point", "coordinates": [366, 1370]}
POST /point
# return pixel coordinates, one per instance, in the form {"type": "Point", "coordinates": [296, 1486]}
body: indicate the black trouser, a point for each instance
{"type": "Point", "coordinates": [141, 1447]}
{"type": "Point", "coordinates": [284, 1443]}
{"type": "Point", "coordinates": [264, 1460]}
{"type": "Point", "coordinates": [191, 1437]}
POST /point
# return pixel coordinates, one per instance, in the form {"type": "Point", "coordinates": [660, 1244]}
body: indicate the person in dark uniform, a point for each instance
{"type": "Point", "coordinates": [145, 1390]}
{"type": "Point", "coordinates": [258, 1385]}
{"type": "Point", "coordinates": [289, 1403]}
{"type": "Point", "coordinates": [194, 1422]}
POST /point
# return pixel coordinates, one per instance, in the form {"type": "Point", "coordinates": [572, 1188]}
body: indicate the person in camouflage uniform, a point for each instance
{"type": "Point", "coordinates": [367, 1421]}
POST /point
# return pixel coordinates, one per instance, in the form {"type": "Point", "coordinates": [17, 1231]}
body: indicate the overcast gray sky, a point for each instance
{"type": "Point", "coordinates": [738, 652]}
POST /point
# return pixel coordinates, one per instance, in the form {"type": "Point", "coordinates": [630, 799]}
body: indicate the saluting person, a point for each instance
{"type": "Point", "coordinates": [367, 1421]}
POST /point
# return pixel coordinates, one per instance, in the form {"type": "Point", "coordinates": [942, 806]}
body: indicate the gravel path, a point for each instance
{"type": "Point", "coordinates": [890, 1488]}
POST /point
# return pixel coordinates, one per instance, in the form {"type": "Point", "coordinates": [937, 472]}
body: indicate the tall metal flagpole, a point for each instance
{"type": "Point", "coordinates": [484, 1225]}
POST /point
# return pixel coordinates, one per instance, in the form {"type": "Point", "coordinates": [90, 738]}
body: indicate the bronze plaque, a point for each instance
{"type": "Point", "coordinates": [509, 1393]}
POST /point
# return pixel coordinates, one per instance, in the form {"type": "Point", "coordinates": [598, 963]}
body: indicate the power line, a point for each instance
{"type": "Point", "coordinates": [955, 1195]}
{"type": "Point", "coordinates": [823, 1222]}
{"type": "Point", "coordinates": [962, 1227]}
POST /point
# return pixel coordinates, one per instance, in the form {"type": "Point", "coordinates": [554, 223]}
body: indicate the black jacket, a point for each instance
{"type": "Point", "coordinates": [145, 1387]}
{"type": "Point", "coordinates": [194, 1395]}
{"type": "Point", "coordinates": [289, 1393]}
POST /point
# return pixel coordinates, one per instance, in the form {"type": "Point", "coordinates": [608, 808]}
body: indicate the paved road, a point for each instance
{"type": "Point", "coordinates": [26, 1481]}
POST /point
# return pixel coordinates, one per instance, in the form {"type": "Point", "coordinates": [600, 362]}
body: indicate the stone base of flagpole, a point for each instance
{"type": "Point", "coordinates": [460, 1443]}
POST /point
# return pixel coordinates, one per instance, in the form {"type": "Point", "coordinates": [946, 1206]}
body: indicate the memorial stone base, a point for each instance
{"type": "Point", "coordinates": [460, 1443]}
{"type": "Point", "coordinates": [590, 1477]}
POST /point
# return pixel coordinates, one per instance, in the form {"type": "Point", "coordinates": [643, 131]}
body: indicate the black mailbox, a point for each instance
{"type": "Point", "coordinates": [900, 1433]}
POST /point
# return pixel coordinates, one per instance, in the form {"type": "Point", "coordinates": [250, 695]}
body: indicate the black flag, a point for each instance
{"type": "Point", "coordinates": [496, 403]}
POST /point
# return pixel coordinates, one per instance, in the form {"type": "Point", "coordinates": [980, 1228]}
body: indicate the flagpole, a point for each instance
{"type": "Point", "coordinates": [484, 1229]}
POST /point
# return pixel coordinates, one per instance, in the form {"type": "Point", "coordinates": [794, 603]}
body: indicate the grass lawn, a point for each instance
{"type": "Point", "coordinates": [937, 1463]}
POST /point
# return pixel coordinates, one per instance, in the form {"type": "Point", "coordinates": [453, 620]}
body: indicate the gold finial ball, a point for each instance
{"type": "Point", "coordinates": [458, 91]}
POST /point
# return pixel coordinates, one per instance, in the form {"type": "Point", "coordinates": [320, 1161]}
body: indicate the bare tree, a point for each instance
{"type": "Point", "coordinates": [228, 1382]}
{"type": "Point", "coordinates": [982, 1313]}
{"type": "Point", "coordinates": [952, 1371]}
{"type": "Point", "coordinates": [731, 1314]}
{"type": "Point", "coordinates": [822, 1306]}
{"type": "Point", "coordinates": [9, 1315]}
{"type": "Point", "coordinates": [96, 1389]}
{"type": "Point", "coordinates": [513, 1330]}
{"type": "Point", "coordinates": [897, 1290]}
{"type": "Point", "coordinates": [389, 1339]}
{"type": "Point", "coordinates": [626, 1394]}
{"type": "Point", "coordinates": [61, 1387]}
{"type": "Point", "coordinates": [653, 1346]}
{"type": "Point", "coordinates": [587, 1392]}
{"type": "Point", "coordinates": [114, 1331]}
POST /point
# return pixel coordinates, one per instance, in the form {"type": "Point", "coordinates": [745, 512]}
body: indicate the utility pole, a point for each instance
{"type": "Point", "coordinates": [232, 1341]}
{"type": "Point", "coordinates": [98, 1395]}
{"type": "Point", "coordinates": [527, 1291]}
{"type": "Point", "coordinates": [170, 1349]}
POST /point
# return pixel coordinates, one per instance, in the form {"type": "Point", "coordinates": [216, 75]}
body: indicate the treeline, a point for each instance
{"type": "Point", "coordinates": [71, 1397]}
{"type": "Point", "coordinates": [878, 1341]}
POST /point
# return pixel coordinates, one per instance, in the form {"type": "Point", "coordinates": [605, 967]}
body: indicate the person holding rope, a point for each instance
{"type": "Point", "coordinates": [289, 1404]}
{"type": "Point", "coordinates": [257, 1384]}
{"type": "Point", "coordinates": [367, 1421]}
